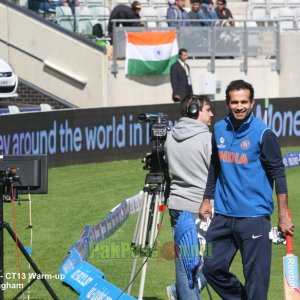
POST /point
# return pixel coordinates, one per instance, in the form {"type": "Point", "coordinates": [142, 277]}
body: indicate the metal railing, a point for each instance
{"type": "Point", "coordinates": [211, 42]}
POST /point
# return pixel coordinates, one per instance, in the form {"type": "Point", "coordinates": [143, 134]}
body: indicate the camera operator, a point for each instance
{"type": "Point", "coordinates": [188, 151]}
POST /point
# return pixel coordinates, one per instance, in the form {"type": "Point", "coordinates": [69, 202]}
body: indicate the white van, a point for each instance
{"type": "Point", "coordinates": [8, 81]}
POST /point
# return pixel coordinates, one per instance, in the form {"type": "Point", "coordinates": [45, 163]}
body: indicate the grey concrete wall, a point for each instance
{"type": "Point", "coordinates": [135, 90]}
{"type": "Point", "coordinates": [289, 84]}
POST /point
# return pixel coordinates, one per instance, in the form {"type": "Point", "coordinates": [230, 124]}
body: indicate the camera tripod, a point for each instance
{"type": "Point", "coordinates": [4, 225]}
{"type": "Point", "coordinates": [147, 226]}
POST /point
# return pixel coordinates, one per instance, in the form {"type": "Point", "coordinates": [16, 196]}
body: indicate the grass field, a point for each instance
{"type": "Point", "coordinates": [84, 194]}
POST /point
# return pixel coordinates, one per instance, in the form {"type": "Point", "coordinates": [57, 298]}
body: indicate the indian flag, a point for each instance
{"type": "Point", "coordinates": [150, 53]}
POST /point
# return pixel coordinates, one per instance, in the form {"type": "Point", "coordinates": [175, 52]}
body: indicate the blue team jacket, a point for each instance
{"type": "Point", "coordinates": [243, 188]}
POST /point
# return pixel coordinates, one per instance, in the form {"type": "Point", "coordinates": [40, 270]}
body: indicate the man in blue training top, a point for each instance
{"type": "Point", "coordinates": [246, 160]}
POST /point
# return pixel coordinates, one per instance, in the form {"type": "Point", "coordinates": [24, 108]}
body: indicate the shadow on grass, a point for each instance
{"type": "Point", "coordinates": [153, 298]}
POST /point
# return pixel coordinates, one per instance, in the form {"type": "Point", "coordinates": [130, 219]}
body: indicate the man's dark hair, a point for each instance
{"type": "Point", "coordinates": [237, 85]}
{"type": "Point", "coordinates": [181, 50]}
{"type": "Point", "coordinates": [201, 100]}
{"type": "Point", "coordinates": [136, 5]}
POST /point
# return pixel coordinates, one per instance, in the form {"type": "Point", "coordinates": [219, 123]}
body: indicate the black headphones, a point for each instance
{"type": "Point", "coordinates": [193, 107]}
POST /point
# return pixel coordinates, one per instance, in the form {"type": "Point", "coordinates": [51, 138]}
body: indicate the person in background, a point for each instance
{"type": "Point", "coordinates": [190, 139]}
{"type": "Point", "coordinates": [176, 11]}
{"type": "Point", "coordinates": [246, 161]}
{"type": "Point", "coordinates": [223, 13]}
{"type": "Point", "coordinates": [123, 11]}
{"type": "Point", "coordinates": [195, 7]}
{"type": "Point", "coordinates": [206, 13]}
{"type": "Point", "coordinates": [48, 6]}
{"type": "Point", "coordinates": [180, 77]}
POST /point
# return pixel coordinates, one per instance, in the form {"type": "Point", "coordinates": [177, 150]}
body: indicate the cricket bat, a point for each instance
{"type": "Point", "coordinates": [290, 271]}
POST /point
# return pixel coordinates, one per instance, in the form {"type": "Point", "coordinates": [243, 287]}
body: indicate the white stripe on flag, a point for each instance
{"type": "Point", "coordinates": [151, 53]}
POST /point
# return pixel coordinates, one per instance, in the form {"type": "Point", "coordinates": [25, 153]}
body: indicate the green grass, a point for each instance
{"type": "Point", "coordinates": [84, 194]}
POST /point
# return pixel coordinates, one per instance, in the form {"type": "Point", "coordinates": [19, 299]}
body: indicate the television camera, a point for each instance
{"type": "Point", "coordinates": [7, 179]}
{"type": "Point", "coordinates": [155, 160]}
{"type": "Point", "coordinates": [33, 171]}
{"type": "Point", "coordinates": [155, 194]}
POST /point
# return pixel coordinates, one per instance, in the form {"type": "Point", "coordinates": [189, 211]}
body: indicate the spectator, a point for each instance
{"type": "Point", "coordinates": [223, 12]}
{"type": "Point", "coordinates": [195, 7]}
{"type": "Point", "coordinates": [176, 11]}
{"type": "Point", "coordinates": [211, 8]}
{"type": "Point", "coordinates": [180, 77]}
{"type": "Point", "coordinates": [123, 11]}
{"type": "Point", "coordinates": [47, 6]}
{"type": "Point", "coordinates": [206, 13]}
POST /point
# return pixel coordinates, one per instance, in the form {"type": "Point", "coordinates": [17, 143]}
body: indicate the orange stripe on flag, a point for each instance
{"type": "Point", "coordinates": [151, 38]}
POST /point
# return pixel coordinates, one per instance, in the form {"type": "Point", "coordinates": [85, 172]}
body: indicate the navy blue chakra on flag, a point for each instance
{"type": "Point", "coordinates": [158, 52]}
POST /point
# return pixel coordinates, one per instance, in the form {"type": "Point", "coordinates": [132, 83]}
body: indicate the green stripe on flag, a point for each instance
{"type": "Point", "coordinates": [142, 67]}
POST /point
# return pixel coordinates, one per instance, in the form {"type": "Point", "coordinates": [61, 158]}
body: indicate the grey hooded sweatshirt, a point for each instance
{"type": "Point", "coordinates": [188, 150]}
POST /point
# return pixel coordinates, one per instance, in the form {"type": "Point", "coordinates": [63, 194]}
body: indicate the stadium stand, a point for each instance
{"type": "Point", "coordinates": [92, 12]}
{"type": "Point", "coordinates": [101, 15]}
{"type": "Point", "coordinates": [274, 6]}
{"type": "Point", "coordinates": [297, 18]}
{"type": "Point", "coordinates": [293, 3]}
{"type": "Point", "coordinates": [262, 55]}
{"type": "Point", "coordinates": [145, 3]}
{"type": "Point", "coordinates": [95, 3]}
{"type": "Point", "coordinates": [149, 13]}
{"type": "Point", "coordinates": [116, 2]}
{"type": "Point", "coordinates": [159, 3]}
{"type": "Point", "coordinates": [64, 17]}
{"type": "Point", "coordinates": [23, 3]}
{"type": "Point", "coordinates": [83, 20]}
{"type": "Point", "coordinates": [162, 11]}
{"type": "Point", "coordinates": [162, 15]}
{"type": "Point", "coordinates": [284, 11]}
{"type": "Point", "coordinates": [286, 16]}
{"type": "Point", "coordinates": [258, 9]}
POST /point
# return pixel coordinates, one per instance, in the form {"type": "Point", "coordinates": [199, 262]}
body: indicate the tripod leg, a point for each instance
{"type": "Point", "coordinates": [147, 226]}
{"type": "Point", "coordinates": [145, 223]}
{"type": "Point", "coordinates": [137, 231]}
{"type": "Point", "coordinates": [157, 215]}
{"type": "Point", "coordinates": [143, 277]}
{"type": "Point", "coordinates": [155, 222]}
{"type": "Point", "coordinates": [30, 260]}
{"type": "Point", "coordinates": [24, 289]}
{"type": "Point", "coordinates": [133, 274]}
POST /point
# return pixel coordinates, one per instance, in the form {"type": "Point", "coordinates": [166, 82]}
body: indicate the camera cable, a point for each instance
{"type": "Point", "coordinates": [16, 234]}
{"type": "Point", "coordinates": [29, 249]}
